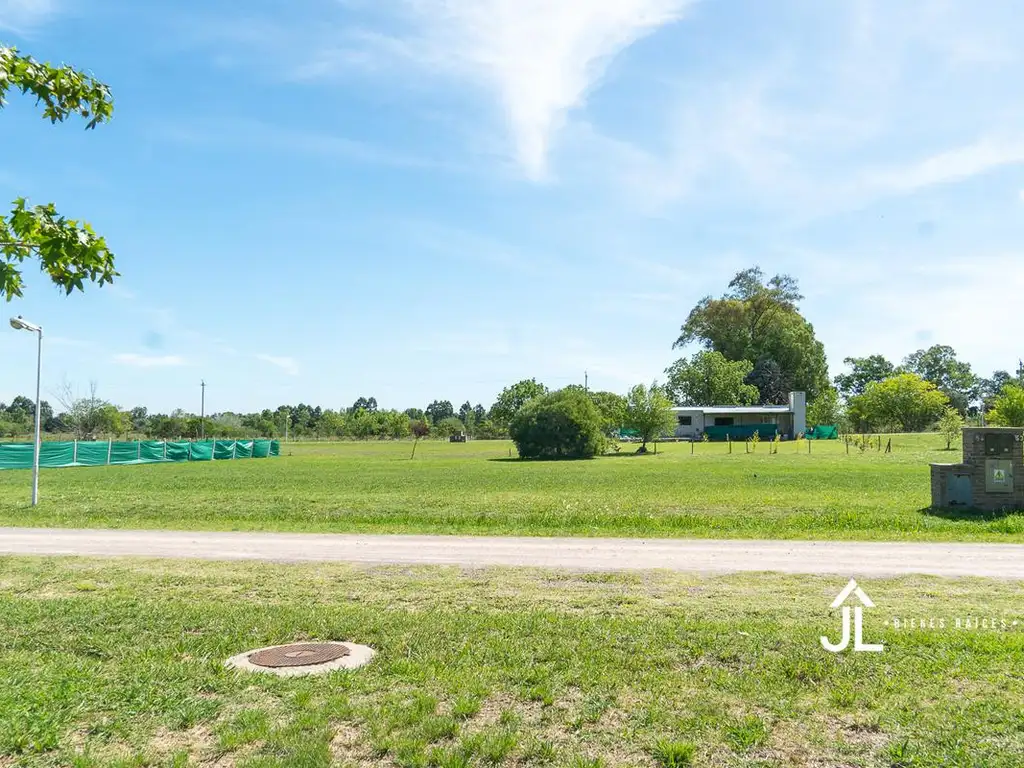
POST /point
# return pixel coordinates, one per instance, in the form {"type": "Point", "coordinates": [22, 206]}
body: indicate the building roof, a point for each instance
{"type": "Point", "coordinates": [734, 409]}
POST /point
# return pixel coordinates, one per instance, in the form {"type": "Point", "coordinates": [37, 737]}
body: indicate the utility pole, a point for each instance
{"type": "Point", "coordinates": [586, 382]}
{"type": "Point", "coordinates": [202, 411]}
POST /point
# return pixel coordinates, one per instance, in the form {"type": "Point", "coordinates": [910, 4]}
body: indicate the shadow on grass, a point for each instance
{"type": "Point", "coordinates": [570, 458]}
{"type": "Point", "coordinates": [968, 515]}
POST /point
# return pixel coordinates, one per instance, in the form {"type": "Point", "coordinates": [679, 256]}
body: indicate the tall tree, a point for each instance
{"type": "Point", "coordinates": [939, 365]}
{"type": "Point", "coordinates": [439, 410]}
{"type": "Point", "coordinates": [365, 403]}
{"type": "Point", "coordinates": [772, 384]}
{"type": "Point", "coordinates": [758, 319]}
{"type": "Point", "coordinates": [69, 251]}
{"type": "Point", "coordinates": [513, 398]}
{"type": "Point", "coordinates": [648, 412]}
{"type": "Point", "coordinates": [708, 378]}
{"type": "Point", "coordinates": [467, 416]}
{"type": "Point", "coordinates": [863, 370]}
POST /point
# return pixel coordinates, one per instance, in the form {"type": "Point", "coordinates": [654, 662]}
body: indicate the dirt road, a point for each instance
{"type": "Point", "coordinates": [1004, 561]}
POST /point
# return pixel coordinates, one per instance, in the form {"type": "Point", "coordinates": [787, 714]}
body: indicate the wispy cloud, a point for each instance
{"type": "Point", "coordinates": [535, 59]}
{"type": "Point", "coordinates": [286, 364]}
{"type": "Point", "coordinates": [952, 165]}
{"type": "Point", "coordinates": [21, 15]}
{"type": "Point", "coordinates": [150, 361]}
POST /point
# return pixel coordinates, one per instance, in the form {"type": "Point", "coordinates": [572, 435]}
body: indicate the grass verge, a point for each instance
{"type": "Point", "coordinates": [120, 662]}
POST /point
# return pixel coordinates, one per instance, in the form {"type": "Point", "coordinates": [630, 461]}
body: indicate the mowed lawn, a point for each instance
{"type": "Point", "coordinates": [120, 663]}
{"type": "Point", "coordinates": [476, 488]}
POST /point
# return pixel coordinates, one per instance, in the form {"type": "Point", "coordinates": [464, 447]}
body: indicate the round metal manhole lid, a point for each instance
{"type": "Point", "coordinates": [298, 655]}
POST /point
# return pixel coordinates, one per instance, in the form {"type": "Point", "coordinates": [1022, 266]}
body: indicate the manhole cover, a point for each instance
{"type": "Point", "coordinates": [298, 655]}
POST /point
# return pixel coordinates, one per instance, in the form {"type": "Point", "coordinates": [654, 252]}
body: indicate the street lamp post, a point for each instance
{"type": "Point", "coordinates": [202, 411]}
{"type": "Point", "coordinates": [23, 325]}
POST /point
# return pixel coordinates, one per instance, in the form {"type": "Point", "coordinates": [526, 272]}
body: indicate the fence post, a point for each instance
{"type": "Point", "coordinates": [74, 456]}
{"type": "Point", "coordinates": [138, 451]}
{"type": "Point", "coordinates": [234, 450]}
{"type": "Point", "coordinates": [165, 450]}
{"type": "Point", "coordinates": [110, 447]}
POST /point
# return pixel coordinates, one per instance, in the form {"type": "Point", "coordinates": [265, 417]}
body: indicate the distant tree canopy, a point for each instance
{"type": "Point", "coordinates": [954, 378]}
{"type": "Point", "coordinates": [758, 321]}
{"type": "Point", "coordinates": [903, 403]}
{"type": "Point", "coordinates": [709, 378]}
{"type": "Point", "coordinates": [513, 398]}
{"type": "Point", "coordinates": [70, 252]}
{"type": "Point", "coordinates": [1008, 407]}
{"type": "Point", "coordinates": [561, 425]}
{"type": "Point", "coordinates": [863, 371]}
{"type": "Point", "coordinates": [449, 426]}
{"type": "Point", "coordinates": [439, 410]}
{"type": "Point", "coordinates": [365, 404]}
{"type": "Point", "coordinates": [826, 409]}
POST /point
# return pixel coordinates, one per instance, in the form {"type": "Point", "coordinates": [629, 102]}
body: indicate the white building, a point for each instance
{"type": "Point", "coordinates": [739, 422]}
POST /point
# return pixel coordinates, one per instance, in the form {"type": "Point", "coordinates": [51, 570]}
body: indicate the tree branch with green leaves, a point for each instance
{"type": "Point", "coordinates": [69, 251]}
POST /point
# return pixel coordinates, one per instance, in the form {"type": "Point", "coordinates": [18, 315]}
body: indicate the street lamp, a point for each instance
{"type": "Point", "coordinates": [19, 324]}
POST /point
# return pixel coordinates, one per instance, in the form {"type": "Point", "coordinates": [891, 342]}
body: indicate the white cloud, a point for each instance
{"type": "Point", "coordinates": [286, 364]}
{"type": "Point", "coordinates": [19, 15]}
{"type": "Point", "coordinates": [538, 59]}
{"type": "Point", "coordinates": [150, 361]}
{"type": "Point", "coordinates": [952, 165]}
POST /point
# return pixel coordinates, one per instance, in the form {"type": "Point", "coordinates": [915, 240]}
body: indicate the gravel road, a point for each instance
{"type": "Point", "coordinates": [1003, 561]}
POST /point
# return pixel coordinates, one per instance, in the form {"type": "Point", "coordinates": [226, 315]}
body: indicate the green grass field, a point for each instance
{"type": "Point", "coordinates": [475, 488]}
{"type": "Point", "coordinates": [120, 662]}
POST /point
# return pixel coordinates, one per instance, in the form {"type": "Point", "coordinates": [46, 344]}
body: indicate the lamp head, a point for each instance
{"type": "Point", "coordinates": [20, 324]}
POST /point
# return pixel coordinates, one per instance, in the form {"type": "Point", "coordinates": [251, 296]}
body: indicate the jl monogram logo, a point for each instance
{"type": "Point", "coordinates": [858, 622]}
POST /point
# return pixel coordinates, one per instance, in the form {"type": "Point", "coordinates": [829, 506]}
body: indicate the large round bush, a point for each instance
{"type": "Point", "coordinates": [562, 425]}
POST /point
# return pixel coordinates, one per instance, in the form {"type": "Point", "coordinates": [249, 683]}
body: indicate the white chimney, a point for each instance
{"type": "Point", "coordinates": [798, 405]}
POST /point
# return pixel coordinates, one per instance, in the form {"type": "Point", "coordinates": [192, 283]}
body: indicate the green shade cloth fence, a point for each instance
{"type": "Point", "coordinates": [741, 432]}
{"type": "Point", "coordinates": [823, 432]}
{"type": "Point", "coordinates": [98, 454]}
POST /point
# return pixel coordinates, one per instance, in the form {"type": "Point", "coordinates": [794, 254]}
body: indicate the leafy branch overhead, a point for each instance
{"type": "Point", "coordinates": [69, 251]}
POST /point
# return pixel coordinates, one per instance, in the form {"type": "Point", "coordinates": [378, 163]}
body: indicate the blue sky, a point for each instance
{"type": "Point", "coordinates": [423, 199]}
